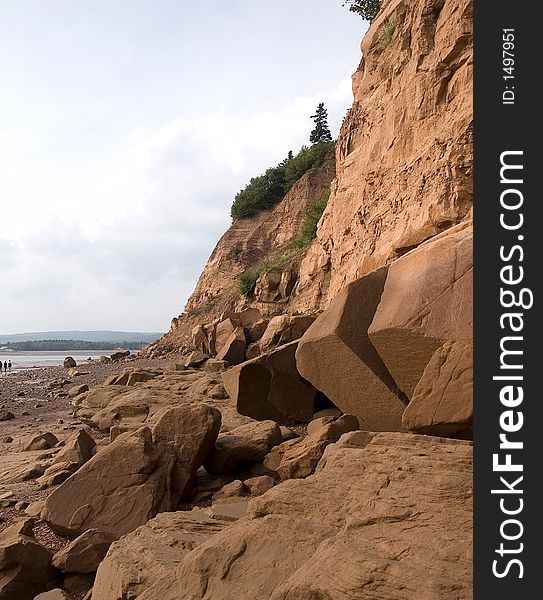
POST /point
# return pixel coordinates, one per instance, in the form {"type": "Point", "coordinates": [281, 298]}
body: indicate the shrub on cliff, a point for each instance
{"type": "Point", "coordinates": [265, 191]}
{"type": "Point", "coordinates": [308, 231]}
{"type": "Point", "coordinates": [367, 9]}
{"type": "Point", "coordinates": [247, 281]}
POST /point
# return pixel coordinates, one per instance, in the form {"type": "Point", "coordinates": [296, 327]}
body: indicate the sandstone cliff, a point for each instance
{"type": "Point", "coordinates": [403, 162]}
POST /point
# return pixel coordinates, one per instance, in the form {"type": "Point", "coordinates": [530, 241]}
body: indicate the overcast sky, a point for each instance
{"type": "Point", "coordinates": [126, 129]}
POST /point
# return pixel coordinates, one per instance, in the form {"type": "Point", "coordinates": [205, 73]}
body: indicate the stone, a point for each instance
{"type": "Point", "coordinates": [141, 376]}
{"type": "Point", "coordinates": [40, 441]}
{"type": "Point", "coordinates": [218, 392]}
{"type": "Point", "coordinates": [78, 583]}
{"type": "Point", "coordinates": [141, 558]}
{"type": "Point", "coordinates": [73, 372]}
{"type": "Point", "coordinates": [6, 415]}
{"type": "Point", "coordinates": [7, 439]}
{"type": "Point", "coordinates": [119, 355]}
{"type": "Point", "coordinates": [55, 594]}
{"type": "Point", "coordinates": [259, 485]}
{"type": "Point", "coordinates": [195, 359]}
{"type": "Point", "coordinates": [25, 565]}
{"type": "Point", "coordinates": [233, 350]}
{"type": "Point", "coordinates": [223, 331]}
{"type": "Point", "coordinates": [317, 424]}
{"type": "Point", "coordinates": [117, 490]}
{"type": "Point", "coordinates": [287, 433]}
{"type": "Point", "coordinates": [426, 301]}
{"type": "Point", "coordinates": [104, 360]}
{"type": "Point", "coordinates": [21, 505]}
{"type": "Point", "coordinates": [231, 509]}
{"type": "Point", "coordinates": [274, 286]}
{"type": "Point", "coordinates": [232, 489]}
{"type": "Point", "coordinates": [34, 508]}
{"type": "Point", "coordinates": [361, 527]}
{"type": "Point", "coordinates": [57, 473]}
{"type": "Point", "coordinates": [299, 459]}
{"type": "Point", "coordinates": [79, 449]}
{"type": "Point", "coordinates": [7, 495]}
{"type": "Point", "coordinates": [442, 402]}
{"type": "Point", "coordinates": [116, 430]}
{"type": "Point", "coordinates": [327, 412]}
{"type": "Point", "coordinates": [283, 329]}
{"type": "Point", "coordinates": [247, 443]}
{"type": "Point", "coordinates": [214, 365]}
{"type": "Point", "coordinates": [191, 431]}
{"type": "Point", "coordinates": [85, 553]}
{"type": "Point", "coordinates": [270, 387]}
{"type": "Point", "coordinates": [336, 356]}
{"type": "Point", "coordinates": [69, 362]}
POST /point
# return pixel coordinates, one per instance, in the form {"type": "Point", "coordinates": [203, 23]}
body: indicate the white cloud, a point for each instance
{"type": "Point", "coordinates": [119, 242]}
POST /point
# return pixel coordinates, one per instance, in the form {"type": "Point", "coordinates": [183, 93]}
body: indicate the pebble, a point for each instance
{"type": "Point", "coordinates": [7, 495]}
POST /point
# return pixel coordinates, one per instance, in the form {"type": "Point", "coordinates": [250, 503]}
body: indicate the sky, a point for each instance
{"type": "Point", "coordinates": [126, 129]}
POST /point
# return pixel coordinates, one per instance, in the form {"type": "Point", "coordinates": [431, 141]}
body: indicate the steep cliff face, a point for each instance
{"type": "Point", "coordinates": [404, 154]}
{"type": "Point", "coordinates": [402, 173]}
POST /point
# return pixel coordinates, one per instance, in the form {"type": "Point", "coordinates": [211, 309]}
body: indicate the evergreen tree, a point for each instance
{"type": "Point", "coordinates": [290, 156]}
{"type": "Point", "coordinates": [321, 132]}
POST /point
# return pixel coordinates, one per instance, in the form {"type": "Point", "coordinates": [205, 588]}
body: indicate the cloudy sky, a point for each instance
{"type": "Point", "coordinates": [127, 127]}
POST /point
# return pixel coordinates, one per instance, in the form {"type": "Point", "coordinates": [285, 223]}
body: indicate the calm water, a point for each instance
{"type": "Point", "coordinates": [25, 360]}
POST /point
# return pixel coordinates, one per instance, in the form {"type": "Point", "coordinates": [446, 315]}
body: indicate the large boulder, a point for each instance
{"type": "Point", "coordinates": [337, 357]}
{"type": "Point", "coordinates": [25, 565]}
{"type": "Point", "coordinates": [270, 387]}
{"type": "Point", "coordinates": [141, 558]}
{"type": "Point", "coordinates": [283, 329]}
{"type": "Point", "coordinates": [119, 355]}
{"type": "Point", "coordinates": [427, 301]}
{"type": "Point", "coordinates": [78, 449]}
{"type": "Point", "coordinates": [191, 430]}
{"type": "Point", "coordinates": [247, 443]}
{"type": "Point", "coordinates": [117, 490]}
{"type": "Point", "coordinates": [223, 331]}
{"type": "Point", "coordinates": [69, 362]}
{"type": "Point", "coordinates": [442, 403]}
{"type": "Point", "coordinates": [296, 459]}
{"type": "Point", "coordinates": [84, 554]}
{"type": "Point", "coordinates": [392, 519]}
{"type": "Point", "coordinates": [234, 347]}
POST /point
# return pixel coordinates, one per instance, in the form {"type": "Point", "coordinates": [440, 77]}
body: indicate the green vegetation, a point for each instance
{"type": "Point", "coordinates": [308, 232]}
{"type": "Point", "coordinates": [235, 250]}
{"type": "Point", "coordinates": [367, 9]}
{"type": "Point", "coordinates": [247, 281]}
{"type": "Point", "coordinates": [387, 32]}
{"type": "Point", "coordinates": [57, 345]}
{"type": "Point", "coordinates": [313, 214]}
{"type": "Point", "coordinates": [266, 190]}
{"type": "Point", "coordinates": [321, 133]}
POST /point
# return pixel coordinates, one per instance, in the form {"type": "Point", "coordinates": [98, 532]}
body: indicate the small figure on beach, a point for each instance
{"type": "Point", "coordinates": [5, 367]}
{"type": "Point", "coordinates": [9, 365]}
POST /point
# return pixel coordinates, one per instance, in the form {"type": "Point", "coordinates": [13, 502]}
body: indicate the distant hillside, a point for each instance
{"type": "Point", "coordinates": [86, 336]}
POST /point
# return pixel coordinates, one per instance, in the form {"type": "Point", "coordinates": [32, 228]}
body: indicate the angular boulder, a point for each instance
{"type": "Point", "coordinates": [78, 449]}
{"type": "Point", "coordinates": [270, 387]}
{"type": "Point", "coordinates": [117, 490]}
{"type": "Point", "coordinates": [25, 565]}
{"type": "Point", "coordinates": [190, 430]}
{"type": "Point", "coordinates": [427, 301]}
{"type": "Point", "coordinates": [442, 403]}
{"type": "Point", "coordinates": [84, 554]}
{"type": "Point", "coordinates": [247, 443]}
{"type": "Point", "coordinates": [138, 560]}
{"type": "Point", "coordinates": [234, 347]}
{"type": "Point", "coordinates": [283, 329]}
{"type": "Point", "coordinates": [299, 459]}
{"type": "Point", "coordinates": [196, 359]}
{"type": "Point", "coordinates": [336, 356]}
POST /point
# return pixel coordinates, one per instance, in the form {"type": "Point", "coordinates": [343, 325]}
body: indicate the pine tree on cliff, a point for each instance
{"type": "Point", "coordinates": [321, 133]}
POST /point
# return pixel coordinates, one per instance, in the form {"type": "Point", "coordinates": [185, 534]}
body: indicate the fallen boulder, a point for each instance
{"type": "Point", "coordinates": [442, 403]}
{"type": "Point", "coordinates": [78, 449]}
{"type": "Point", "coordinates": [191, 431]}
{"type": "Point", "coordinates": [119, 355]}
{"type": "Point", "coordinates": [195, 359]}
{"type": "Point", "coordinates": [69, 362]}
{"type": "Point", "coordinates": [299, 459]}
{"type": "Point", "coordinates": [117, 490]}
{"type": "Point", "coordinates": [247, 443]}
{"type": "Point", "coordinates": [84, 554]}
{"type": "Point", "coordinates": [270, 387]}
{"type": "Point", "coordinates": [283, 329]}
{"type": "Point", "coordinates": [141, 558]}
{"type": "Point", "coordinates": [336, 356]}
{"type": "Point", "coordinates": [426, 301]}
{"type": "Point", "coordinates": [25, 565]}
{"type": "Point", "coordinates": [233, 350]}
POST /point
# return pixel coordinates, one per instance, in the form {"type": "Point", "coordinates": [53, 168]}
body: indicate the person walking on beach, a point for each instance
{"type": "Point", "coordinates": [9, 365]}
{"type": "Point", "coordinates": [5, 367]}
